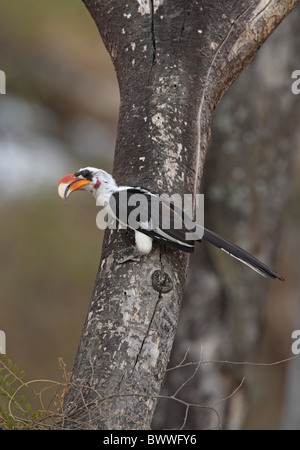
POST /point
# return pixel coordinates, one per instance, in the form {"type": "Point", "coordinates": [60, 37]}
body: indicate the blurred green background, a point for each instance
{"type": "Point", "coordinates": [59, 114]}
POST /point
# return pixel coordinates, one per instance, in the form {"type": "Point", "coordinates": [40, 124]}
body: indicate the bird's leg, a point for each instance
{"type": "Point", "coordinates": [128, 255]}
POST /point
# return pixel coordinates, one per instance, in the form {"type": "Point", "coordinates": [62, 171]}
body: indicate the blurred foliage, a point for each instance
{"type": "Point", "coordinates": [16, 412]}
{"type": "Point", "coordinates": [10, 375]}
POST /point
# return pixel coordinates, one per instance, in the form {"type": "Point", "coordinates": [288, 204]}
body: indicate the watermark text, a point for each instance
{"type": "Point", "coordinates": [2, 342]}
{"type": "Point", "coordinates": [149, 212]}
{"type": "Point", "coordinates": [2, 82]}
{"type": "Point", "coordinates": [295, 348]}
{"type": "Point", "coordinates": [296, 84]}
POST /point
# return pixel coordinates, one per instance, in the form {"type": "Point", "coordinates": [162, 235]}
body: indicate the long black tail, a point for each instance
{"type": "Point", "coordinates": [239, 254]}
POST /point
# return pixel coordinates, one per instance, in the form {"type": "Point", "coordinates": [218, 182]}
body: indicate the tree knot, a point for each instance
{"type": "Point", "coordinates": [161, 282]}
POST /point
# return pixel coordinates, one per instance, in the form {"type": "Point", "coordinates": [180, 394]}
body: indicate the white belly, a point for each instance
{"type": "Point", "coordinates": [143, 243]}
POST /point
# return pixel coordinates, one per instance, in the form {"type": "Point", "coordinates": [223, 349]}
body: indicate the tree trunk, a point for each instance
{"type": "Point", "coordinates": [174, 60]}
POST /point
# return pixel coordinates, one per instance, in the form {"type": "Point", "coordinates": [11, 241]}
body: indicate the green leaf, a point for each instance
{"type": "Point", "coordinates": [10, 381]}
{"type": "Point", "coordinates": [27, 408]}
{"type": "Point", "coordinates": [17, 408]}
{"type": "Point", "coordinates": [36, 415]}
{"type": "Point", "coordinates": [5, 377]}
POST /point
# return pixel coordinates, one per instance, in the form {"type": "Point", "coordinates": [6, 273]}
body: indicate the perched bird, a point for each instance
{"type": "Point", "coordinates": [120, 202]}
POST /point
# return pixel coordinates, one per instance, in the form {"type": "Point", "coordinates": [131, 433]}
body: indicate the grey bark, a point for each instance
{"type": "Point", "coordinates": [174, 60]}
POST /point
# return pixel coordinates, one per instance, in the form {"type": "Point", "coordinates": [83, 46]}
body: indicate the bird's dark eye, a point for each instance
{"type": "Point", "coordinates": [85, 174]}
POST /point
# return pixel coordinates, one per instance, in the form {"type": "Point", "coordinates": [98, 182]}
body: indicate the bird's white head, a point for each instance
{"type": "Point", "coordinates": [100, 183]}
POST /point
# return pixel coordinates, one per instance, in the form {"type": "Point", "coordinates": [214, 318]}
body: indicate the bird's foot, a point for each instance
{"type": "Point", "coordinates": [128, 256]}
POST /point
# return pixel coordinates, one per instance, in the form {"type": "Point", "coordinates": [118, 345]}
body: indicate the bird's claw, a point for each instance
{"type": "Point", "coordinates": [131, 256]}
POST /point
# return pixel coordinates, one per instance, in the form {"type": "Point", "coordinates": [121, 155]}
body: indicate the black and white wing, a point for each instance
{"type": "Point", "coordinates": [152, 215]}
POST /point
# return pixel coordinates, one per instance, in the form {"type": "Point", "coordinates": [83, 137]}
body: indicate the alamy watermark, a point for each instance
{"type": "Point", "coordinates": [296, 84]}
{"type": "Point", "coordinates": [2, 82]}
{"type": "Point", "coordinates": [150, 212]}
{"type": "Point", "coordinates": [295, 347]}
{"type": "Point", "coordinates": [2, 343]}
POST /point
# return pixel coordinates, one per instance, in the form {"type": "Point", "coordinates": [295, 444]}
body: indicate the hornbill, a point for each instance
{"type": "Point", "coordinates": [111, 196]}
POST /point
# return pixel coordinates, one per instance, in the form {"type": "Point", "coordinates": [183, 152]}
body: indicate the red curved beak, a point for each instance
{"type": "Point", "coordinates": [69, 184]}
